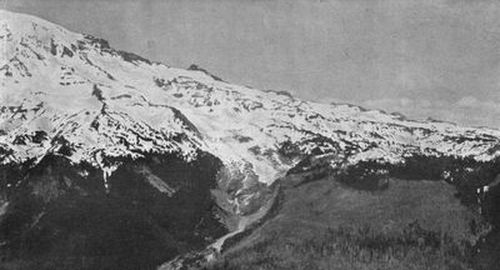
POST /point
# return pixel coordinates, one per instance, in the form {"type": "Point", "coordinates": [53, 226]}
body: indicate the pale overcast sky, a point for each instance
{"type": "Point", "coordinates": [438, 59]}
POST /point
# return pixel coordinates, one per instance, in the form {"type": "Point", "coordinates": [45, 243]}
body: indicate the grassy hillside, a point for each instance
{"type": "Point", "coordinates": [328, 225]}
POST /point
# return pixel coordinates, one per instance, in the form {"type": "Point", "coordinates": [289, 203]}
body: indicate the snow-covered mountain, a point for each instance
{"type": "Point", "coordinates": [90, 131]}
{"type": "Point", "coordinates": [71, 94]}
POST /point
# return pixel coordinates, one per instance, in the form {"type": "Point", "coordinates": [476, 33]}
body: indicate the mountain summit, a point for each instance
{"type": "Point", "coordinates": [73, 98]}
{"type": "Point", "coordinates": [62, 89]}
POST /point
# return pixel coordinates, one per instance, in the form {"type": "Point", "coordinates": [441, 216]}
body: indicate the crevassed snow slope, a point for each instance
{"type": "Point", "coordinates": [63, 89]}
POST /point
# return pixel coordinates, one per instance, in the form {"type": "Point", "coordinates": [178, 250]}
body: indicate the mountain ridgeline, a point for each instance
{"type": "Point", "coordinates": [111, 161]}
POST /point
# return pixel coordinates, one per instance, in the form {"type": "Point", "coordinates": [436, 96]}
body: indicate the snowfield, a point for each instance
{"type": "Point", "coordinates": [71, 94]}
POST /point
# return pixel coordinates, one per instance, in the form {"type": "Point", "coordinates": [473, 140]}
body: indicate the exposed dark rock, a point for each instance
{"type": "Point", "coordinates": [97, 93]}
{"type": "Point", "coordinates": [67, 51]}
{"type": "Point", "coordinates": [197, 68]}
{"type": "Point", "coordinates": [282, 92]}
{"type": "Point", "coordinates": [53, 47]}
{"type": "Point", "coordinates": [99, 42]}
{"type": "Point", "coordinates": [131, 57]}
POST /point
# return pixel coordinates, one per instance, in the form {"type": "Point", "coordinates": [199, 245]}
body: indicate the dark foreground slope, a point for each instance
{"type": "Point", "coordinates": [328, 225]}
{"type": "Point", "coordinates": [58, 219]}
{"type": "Point", "coordinates": [367, 218]}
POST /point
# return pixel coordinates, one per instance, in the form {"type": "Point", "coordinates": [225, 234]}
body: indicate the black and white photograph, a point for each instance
{"type": "Point", "coordinates": [249, 135]}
